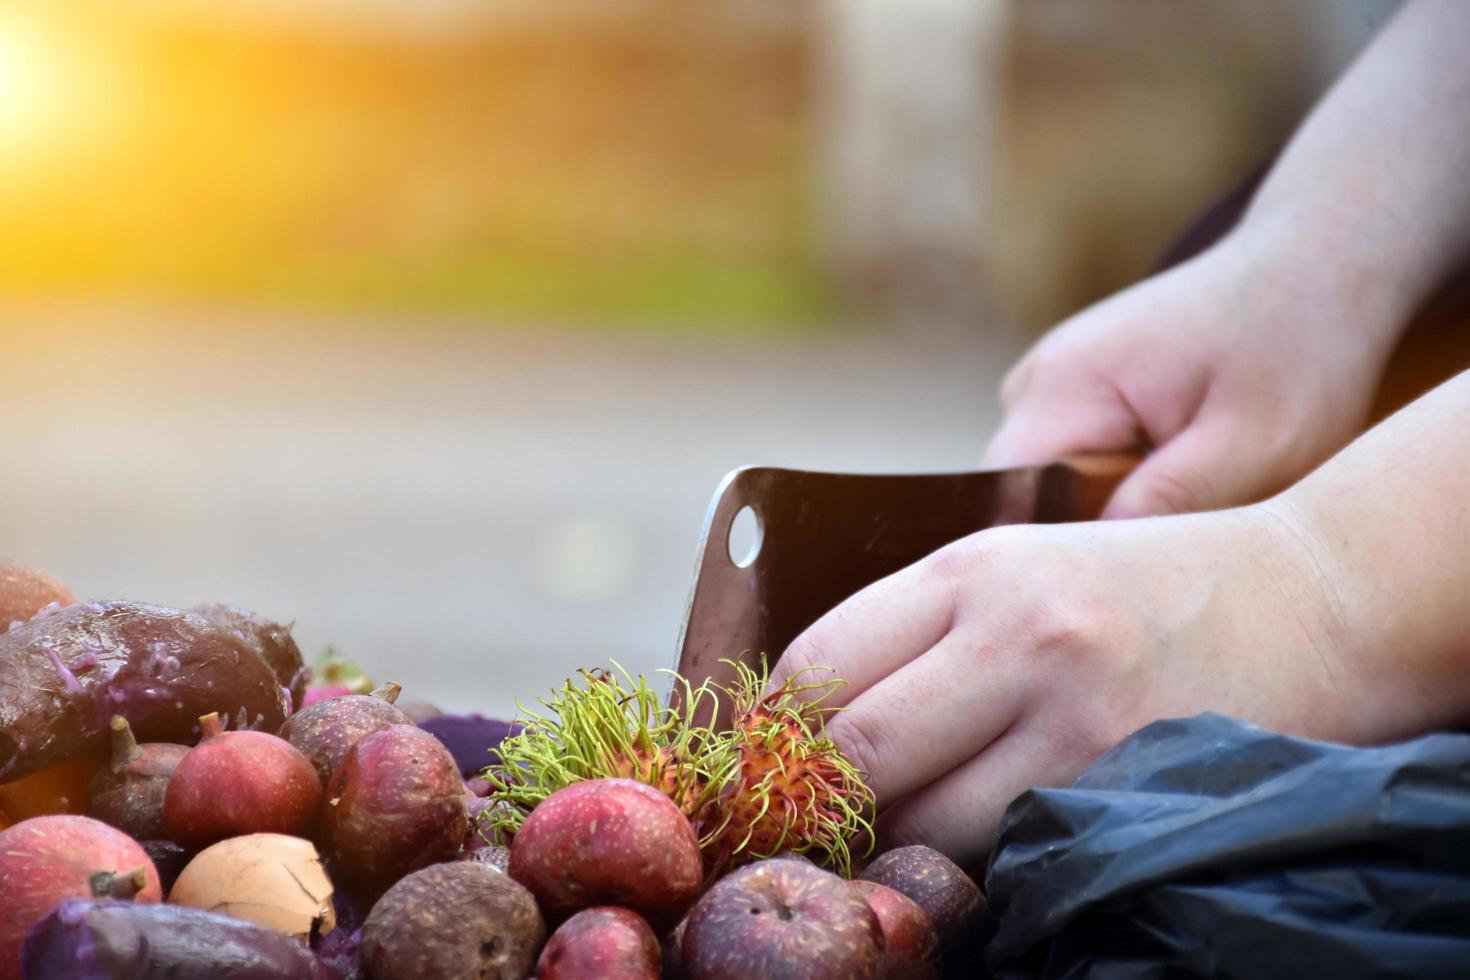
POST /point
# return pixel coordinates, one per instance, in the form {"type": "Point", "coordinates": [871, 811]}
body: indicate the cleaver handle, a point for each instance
{"type": "Point", "coordinates": [1099, 474]}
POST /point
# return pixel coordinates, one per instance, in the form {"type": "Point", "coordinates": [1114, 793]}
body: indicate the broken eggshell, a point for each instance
{"type": "Point", "coordinates": [273, 880]}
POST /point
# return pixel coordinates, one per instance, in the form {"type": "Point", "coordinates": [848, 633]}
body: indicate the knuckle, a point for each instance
{"type": "Point", "coordinates": [1168, 493]}
{"type": "Point", "coordinates": [804, 652]}
{"type": "Point", "coordinates": [953, 562]}
{"type": "Point", "coordinates": [965, 559]}
{"type": "Point", "coordinates": [1074, 628]}
{"type": "Point", "coordinates": [862, 739]}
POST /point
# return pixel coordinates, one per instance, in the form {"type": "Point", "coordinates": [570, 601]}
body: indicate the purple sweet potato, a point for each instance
{"type": "Point", "coordinates": [88, 938]}
{"type": "Point", "coordinates": [469, 738]}
{"type": "Point", "coordinates": [68, 673]}
{"type": "Point", "coordinates": [270, 639]}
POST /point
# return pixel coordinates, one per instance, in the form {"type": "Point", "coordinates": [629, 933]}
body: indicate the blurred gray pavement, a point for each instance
{"type": "Point", "coordinates": [472, 512]}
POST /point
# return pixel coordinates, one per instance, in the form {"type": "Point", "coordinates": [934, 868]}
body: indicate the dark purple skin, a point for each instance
{"type": "Point", "coordinates": [340, 951]}
{"type": "Point", "coordinates": [326, 731]}
{"type": "Point", "coordinates": [128, 792]}
{"type": "Point", "coordinates": [94, 939]}
{"type": "Point", "coordinates": [609, 842]}
{"type": "Point", "coordinates": [395, 805]}
{"type": "Point", "coordinates": [910, 944]}
{"type": "Point", "coordinates": [68, 673]}
{"type": "Point", "coordinates": [939, 887]}
{"type": "Point", "coordinates": [602, 943]}
{"type": "Point", "coordinates": [169, 858]}
{"type": "Point", "coordinates": [459, 919]}
{"type": "Point", "coordinates": [783, 920]}
{"type": "Point", "coordinates": [469, 738]}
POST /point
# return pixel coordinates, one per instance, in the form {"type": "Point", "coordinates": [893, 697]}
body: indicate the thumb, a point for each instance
{"type": "Point", "coordinates": [1199, 469]}
{"type": "Point", "coordinates": [1046, 430]}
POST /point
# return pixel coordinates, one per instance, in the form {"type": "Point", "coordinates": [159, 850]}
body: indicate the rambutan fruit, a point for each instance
{"type": "Point", "coordinates": [773, 783]}
{"type": "Point", "coordinates": [609, 726]}
{"type": "Point", "coordinates": [789, 788]}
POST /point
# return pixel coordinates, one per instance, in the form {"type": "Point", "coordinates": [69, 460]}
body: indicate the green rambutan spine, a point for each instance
{"type": "Point", "coordinates": [614, 725]}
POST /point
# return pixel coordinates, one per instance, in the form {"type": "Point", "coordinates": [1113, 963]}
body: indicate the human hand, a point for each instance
{"type": "Point", "coordinates": [1014, 657]}
{"type": "Point", "coordinates": [1242, 370]}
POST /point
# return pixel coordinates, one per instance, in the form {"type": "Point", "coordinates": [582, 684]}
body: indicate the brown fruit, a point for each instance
{"type": "Point", "coordinates": [396, 804]}
{"type": "Point", "coordinates": [68, 673]}
{"type": "Point", "coordinates": [326, 731]}
{"type": "Point", "coordinates": [938, 886]}
{"type": "Point", "coordinates": [47, 859]}
{"type": "Point", "coordinates": [602, 943]}
{"type": "Point", "coordinates": [781, 918]}
{"type": "Point", "coordinates": [128, 792]}
{"type": "Point", "coordinates": [911, 946]}
{"type": "Point", "coordinates": [235, 783]}
{"type": "Point", "coordinates": [25, 592]}
{"type": "Point", "coordinates": [609, 842]}
{"type": "Point", "coordinates": [270, 640]}
{"type": "Point", "coordinates": [453, 920]}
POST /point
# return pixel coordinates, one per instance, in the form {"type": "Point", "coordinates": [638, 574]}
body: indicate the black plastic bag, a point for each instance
{"type": "Point", "coordinates": [1208, 847]}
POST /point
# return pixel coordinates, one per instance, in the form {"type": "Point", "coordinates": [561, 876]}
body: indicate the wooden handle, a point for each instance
{"type": "Point", "coordinates": [1104, 466]}
{"type": "Point", "coordinates": [1098, 475]}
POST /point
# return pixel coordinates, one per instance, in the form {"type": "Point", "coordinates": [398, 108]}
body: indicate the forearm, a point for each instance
{"type": "Point", "coordinates": [1370, 202]}
{"type": "Point", "coordinates": [1386, 526]}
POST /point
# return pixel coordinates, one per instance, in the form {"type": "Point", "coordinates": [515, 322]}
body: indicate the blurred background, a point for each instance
{"type": "Point", "coordinates": [432, 327]}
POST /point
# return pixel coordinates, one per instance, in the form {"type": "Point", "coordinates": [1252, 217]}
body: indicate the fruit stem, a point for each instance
{"type": "Point", "coordinates": [124, 745]}
{"type": "Point", "coordinates": [111, 884]}
{"type": "Point", "coordinates": [209, 726]}
{"type": "Point", "coordinates": [389, 692]}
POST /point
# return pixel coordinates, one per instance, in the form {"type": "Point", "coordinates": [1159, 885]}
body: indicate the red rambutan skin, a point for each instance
{"type": "Point", "coordinates": [784, 796]}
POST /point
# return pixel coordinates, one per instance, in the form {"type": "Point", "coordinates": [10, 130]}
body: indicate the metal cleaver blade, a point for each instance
{"type": "Point", "coordinates": [824, 536]}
